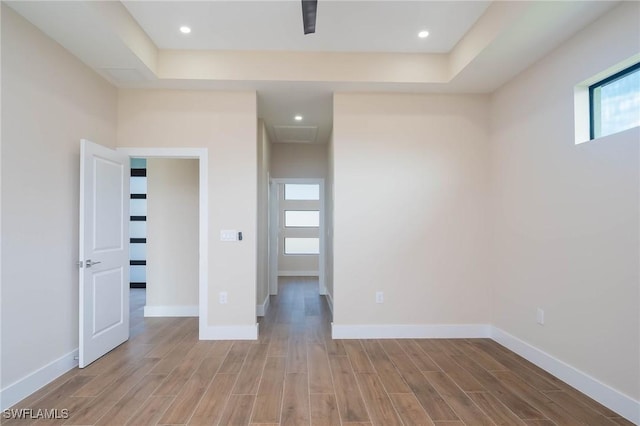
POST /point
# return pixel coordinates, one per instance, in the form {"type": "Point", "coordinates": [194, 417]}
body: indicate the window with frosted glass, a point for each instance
{"type": "Point", "coordinates": [138, 207]}
{"type": "Point", "coordinates": [302, 246]}
{"type": "Point", "coordinates": [138, 163]}
{"type": "Point", "coordinates": [302, 192]}
{"type": "Point", "coordinates": [138, 274]}
{"type": "Point", "coordinates": [615, 102]}
{"type": "Point", "coordinates": [137, 251]}
{"type": "Point", "coordinates": [138, 224]}
{"type": "Point", "coordinates": [138, 185]}
{"type": "Point", "coordinates": [138, 229]}
{"type": "Point", "coordinates": [302, 218]}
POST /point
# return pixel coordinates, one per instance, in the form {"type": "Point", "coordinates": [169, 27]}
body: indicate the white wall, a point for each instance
{"type": "Point", "coordinates": [226, 124]}
{"type": "Point", "coordinates": [566, 216]}
{"type": "Point", "coordinates": [411, 182]}
{"type": "Point", "coordinates": [50, 100]}
{"type": "Point", "coordinates": [264, 159]}
{"type": "Point", "coordinates": [172, 235]}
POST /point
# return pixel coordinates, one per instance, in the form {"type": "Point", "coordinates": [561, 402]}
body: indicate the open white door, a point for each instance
{"type": "Point", "coordinates": [104, 251]}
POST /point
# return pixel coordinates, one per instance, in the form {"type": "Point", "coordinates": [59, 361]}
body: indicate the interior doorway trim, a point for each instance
{"type": "Point", "coordinates": [202, 155]}
{"type": "Point", "coordinates": [273, 231]}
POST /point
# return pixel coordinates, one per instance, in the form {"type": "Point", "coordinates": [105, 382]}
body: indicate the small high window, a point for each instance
{"type": "Point", "coordinates": [614, 103]}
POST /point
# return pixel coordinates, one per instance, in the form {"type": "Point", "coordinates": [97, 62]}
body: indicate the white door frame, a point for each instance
{"type": "Point", "coordinates": [202, 155]}
{"type": "Point", "coordinates": [273, 242]}
{"type": "Point", "coordinates": [273, 231]}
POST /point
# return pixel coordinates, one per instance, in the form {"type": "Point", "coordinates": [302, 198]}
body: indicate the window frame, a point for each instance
{"type": "Point", "coordinates": [592, 104]}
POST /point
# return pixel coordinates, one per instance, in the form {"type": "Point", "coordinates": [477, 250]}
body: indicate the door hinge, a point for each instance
{"type": "Point", "coordinates": [79, 264]}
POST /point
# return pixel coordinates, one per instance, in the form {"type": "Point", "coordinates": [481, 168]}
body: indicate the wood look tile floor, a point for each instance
{"type": "Point", "coordinates": [295, 374]}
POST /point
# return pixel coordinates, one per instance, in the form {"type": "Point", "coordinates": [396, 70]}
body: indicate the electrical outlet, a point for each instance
{"type": "Point", "coordinates": [540, 316]}
{"type": "Point", "coordinates": [379, 297]}
{"type": "Point", "coordinates": [223, 298]}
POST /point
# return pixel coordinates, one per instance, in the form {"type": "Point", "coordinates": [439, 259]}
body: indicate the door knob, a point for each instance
{"type": "Point", "coordinates": [89, 263]}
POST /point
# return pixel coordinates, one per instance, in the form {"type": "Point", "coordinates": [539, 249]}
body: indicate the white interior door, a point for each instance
{"type": "Point", "coordinates": [104, 251]}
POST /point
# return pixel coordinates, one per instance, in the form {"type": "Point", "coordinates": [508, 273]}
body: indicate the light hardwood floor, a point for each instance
{"type": "Point", "coordinates": [295, 374]}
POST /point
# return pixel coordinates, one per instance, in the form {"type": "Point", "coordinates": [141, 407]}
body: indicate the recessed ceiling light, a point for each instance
{"type": "Point", "coordinates": [185, 30]}
{"type": "Point", "coordinates": [298, 118]}
{"type": "Point", "coordinates": [423, 34]}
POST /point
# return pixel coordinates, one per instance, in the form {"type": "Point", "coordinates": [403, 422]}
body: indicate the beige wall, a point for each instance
{"type": "Point", "coordinates": [298, 160]}
{"type": "Point", "coordinates": [264, 159]}
{"type": "Point", "coordinates": [50, 100]}
{"type": "Point", "coordinates": [566, 215]}
{"type": "Point", "coordinates": [410, 216]}
{"type": "Point", "coordinates": [172, 232]}
{"type": "Point", "coordinates": [226, 124]}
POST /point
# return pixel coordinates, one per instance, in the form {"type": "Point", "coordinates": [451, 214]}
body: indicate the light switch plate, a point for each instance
{"type": "Point", "coordinates": [228, 235]}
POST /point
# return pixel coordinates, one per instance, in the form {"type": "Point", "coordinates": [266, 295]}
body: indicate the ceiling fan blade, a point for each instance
{"type": "Point", "coordinates": [309, 8]}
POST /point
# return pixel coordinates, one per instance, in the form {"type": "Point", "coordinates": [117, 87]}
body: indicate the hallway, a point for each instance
{"type": "Point", "coordinates": [295, 374]}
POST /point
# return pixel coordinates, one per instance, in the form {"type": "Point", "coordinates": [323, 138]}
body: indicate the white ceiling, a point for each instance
{"type": "Point", "coordinates": [473, 47]}
{"type": "Point", "coordinates": [341, 26]}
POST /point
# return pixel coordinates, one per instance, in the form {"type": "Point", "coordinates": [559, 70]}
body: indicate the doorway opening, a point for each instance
{"type": "Point", "coordinates": [296, 231]}
{"type": "Point", "coordinates": [137, 244]}
{"type": "Point", "coordinates": [173, 187]}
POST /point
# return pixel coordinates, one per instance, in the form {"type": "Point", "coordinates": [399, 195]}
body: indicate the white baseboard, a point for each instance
{"type": "Point", "coordinates": [229, 332]}
{"type": "Point", "coordinates": [614, 400]}
{"type": "Point", "coordinates": [329, 301]}
{"type": "Point", "coordinates": [24, 387]}
{"type": "Point", "coordinates": [261, 310]}
{"type": "Point", "coordinates": [298, 274]}
{"type": "Point", "coordinates": [171, 311]}
{"type": "Point", "coordinates": [409, 331]}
